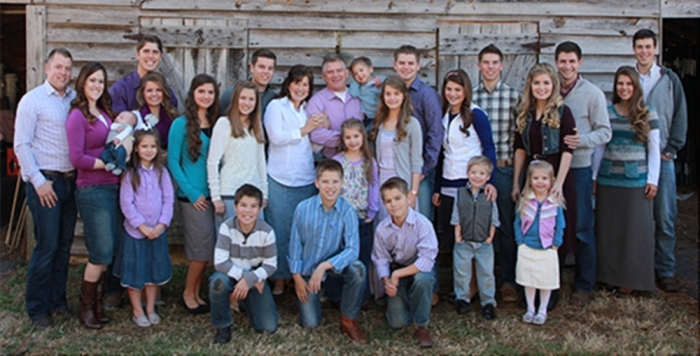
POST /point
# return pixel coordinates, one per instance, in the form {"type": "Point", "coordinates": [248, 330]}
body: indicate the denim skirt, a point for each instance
{"type": "Point", "coordinates": [99, 208]}
{"type": "Point", "coordinates": [141, 262]}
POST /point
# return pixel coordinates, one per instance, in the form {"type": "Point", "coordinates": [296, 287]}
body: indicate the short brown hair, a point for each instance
{"type": "Point", "coordinates": [248, 190]}
{"type": "Point", "coordinates": [328, 165]}
{"type": "Point", "coordinates": [395, 183]}
{"type": "Point", "coordinates": [407, 49]}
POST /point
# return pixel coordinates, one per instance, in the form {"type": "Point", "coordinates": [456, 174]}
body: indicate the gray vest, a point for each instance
{"type": "Point", "coordinates": [474, 215]}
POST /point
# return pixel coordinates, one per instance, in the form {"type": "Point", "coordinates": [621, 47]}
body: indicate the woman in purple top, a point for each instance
{"type": "Point", "coordinates": [155, 106]}
{"type": "Point", "coordinates": [98, 193]}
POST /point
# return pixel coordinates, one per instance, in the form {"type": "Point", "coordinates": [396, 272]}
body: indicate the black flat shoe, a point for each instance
{"type": "Point", "coordinates": [200, 309]}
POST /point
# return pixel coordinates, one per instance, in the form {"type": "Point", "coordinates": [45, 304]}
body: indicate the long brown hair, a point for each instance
{"type": "Point", "coordinates": [158, 79]}
{"type": "Point", "coordinates": [550, 115]}
{"type": "Point", "coordinates": [234, 115]}
{"type": "Point", "coordinates": [191, 113]}
{"type": "Point", "coordinates": [638, 112]}
{"type": "Point", "coordinates": [367, 160]}
{"type": "Point", "coordinates": [104, 102]}
{"type": "Point", "coordinates": [460, 78]}
{"type": "Point", "coordinates": [383, 110]}
{"type": "Point", "coordinates": [135, 160]}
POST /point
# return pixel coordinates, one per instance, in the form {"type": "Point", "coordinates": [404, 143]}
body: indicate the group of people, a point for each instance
{"type": "Point", "coordinates": [332, 194]}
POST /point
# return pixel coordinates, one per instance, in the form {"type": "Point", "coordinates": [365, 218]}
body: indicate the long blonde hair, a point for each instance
{"type": "Point", "coordinates": [638, 112]}
{"type": "Point", "coordinates": [550, 115]}
{"type": "Point", "coordinates": [527, 189]}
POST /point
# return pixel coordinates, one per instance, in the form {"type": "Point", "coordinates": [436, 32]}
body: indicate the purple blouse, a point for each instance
{"type": "Point", "coordinates": [150, 204]}
{"type": "Point", "coordinates": [85, 144]}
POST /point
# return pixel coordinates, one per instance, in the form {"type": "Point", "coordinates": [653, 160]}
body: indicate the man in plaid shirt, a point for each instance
{"type": "Point", "coordinates": [500, 102]}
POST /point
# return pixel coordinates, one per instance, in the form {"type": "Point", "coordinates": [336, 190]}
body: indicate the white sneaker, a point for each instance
{"type": "Point", "coordinates": [528, 317]}
{"type": "Point", "coordinates": [141, 321]}
{"type": "Point", "coordinates": [539, 319]}
{"type": "Point", "coordinates": [154, 318]}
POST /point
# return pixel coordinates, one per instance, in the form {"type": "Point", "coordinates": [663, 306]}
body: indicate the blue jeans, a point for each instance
{"type": "Point", "coordinates": [665, 213]}
{"type": "Point", "coordinates": [505, 236]}
{"type": "Point", "coordinates": [464, 252]}
{"type": "Point", "coordinates": [333, 288]}
{"type": "Point", "coordinates": [425, 195]}
{"type": "Point", "coordinates": [279, 214]}
{"type": "Point", "coordinates": [99, 208]}
{"type": "Point", "coordinates": [114, 155]}
{"type": "Point", "coordinates": [584, 277]}
{"type": "Point", "coordinates": [54, 229]}
{"type": "Point", "coordinates": [354, 279]}
{"type": "Point", "coordinates": [260, 307]}
{"type": "Point", "coordinates": [412, 301]}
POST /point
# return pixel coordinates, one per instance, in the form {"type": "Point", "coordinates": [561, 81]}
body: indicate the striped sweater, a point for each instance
{"type": "Point", "coordinates": [252, 256]}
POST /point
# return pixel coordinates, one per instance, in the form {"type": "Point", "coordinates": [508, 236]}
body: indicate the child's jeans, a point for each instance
{"type": "Point", "coordinates": [260, 308]}
{"type": "Point", "coordinates": [482, 253]}
{"type": "Point", "coordinates": [412, 301]}
{"type": "Point", "coordinates": [115, 156]}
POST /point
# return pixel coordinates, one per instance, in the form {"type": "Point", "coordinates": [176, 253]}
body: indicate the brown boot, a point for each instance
{"type": "Point", "coordinates": [423, 336]}
{"type": "Point", "coordinates": [88, 292]}
{"type": "Point", "coordinates": [99, 297]}
{"type": "Point", "coordinates": [352, 329]}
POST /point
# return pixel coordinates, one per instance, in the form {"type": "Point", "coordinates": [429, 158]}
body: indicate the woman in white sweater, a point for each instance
{"type": "Point", "coordinates": [237, 151]}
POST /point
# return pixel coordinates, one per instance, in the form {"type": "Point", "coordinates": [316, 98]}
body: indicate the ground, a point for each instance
{"type": "Point", "coordinates": [664, 323]}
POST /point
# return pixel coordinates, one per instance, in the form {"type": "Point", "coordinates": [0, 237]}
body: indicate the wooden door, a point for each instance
{"type": "Point", "coordinates": [218, 47]}
{"type": "Point", "coordinates": [459, 43]}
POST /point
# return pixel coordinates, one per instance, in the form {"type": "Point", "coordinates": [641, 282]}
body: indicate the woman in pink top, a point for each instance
{"type": "Point", "coordinates": [97, 190]}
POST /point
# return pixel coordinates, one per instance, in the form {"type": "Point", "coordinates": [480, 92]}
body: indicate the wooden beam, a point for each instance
{"type": "Point", "coordinates": [36, 45]}
{"type": "Point", "coordinates": [199, 36]}
{"type": "Point", "coordinates": [680, 8]}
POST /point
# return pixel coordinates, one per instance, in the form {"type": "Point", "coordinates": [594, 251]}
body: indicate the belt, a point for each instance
{"type": "Point", "coordinates": [502, 163]}
{"type": "Point", "coordinates": [65, 175]}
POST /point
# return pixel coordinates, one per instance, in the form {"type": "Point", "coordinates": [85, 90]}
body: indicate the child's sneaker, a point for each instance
{"type": "Point", "coordinates": [528, 317]}
{"type": "Point", "coordinates": [488, 311]}
{"type": "Point", "coordinates": [539, 319]}
{"type": "Point", "coordinates": [109, 166]}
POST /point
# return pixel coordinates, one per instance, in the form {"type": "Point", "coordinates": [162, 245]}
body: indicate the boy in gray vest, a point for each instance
{"type": "Point", "coordinates": [475, 219]}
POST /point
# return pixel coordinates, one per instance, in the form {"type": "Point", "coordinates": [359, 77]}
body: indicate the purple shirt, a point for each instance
{"type": "Point", "coordinates": [123, 93]}
{"type": "Point", "coordinates": [163, 125]}
{"type": "Point", "coordinates": [338, 111]}
{"type": "Point", "coordinates": [150, 204]}
{"type": "Point", "coordinates": [85, 144]}
{"type": "Point", "coordinates": [428, 111]}
{"type": "Point", "coordinates": [414, 243]}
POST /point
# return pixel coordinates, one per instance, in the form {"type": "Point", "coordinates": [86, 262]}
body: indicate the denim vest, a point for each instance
{"type": "Point", "coordinates": [550, 136]}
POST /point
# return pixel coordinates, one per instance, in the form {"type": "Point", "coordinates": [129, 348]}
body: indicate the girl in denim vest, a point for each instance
{"type": "Point", "coordinates": [539, 229]}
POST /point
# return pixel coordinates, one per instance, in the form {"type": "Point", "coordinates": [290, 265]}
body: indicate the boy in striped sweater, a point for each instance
{"type": "Point", "coordinates": [244, 256]}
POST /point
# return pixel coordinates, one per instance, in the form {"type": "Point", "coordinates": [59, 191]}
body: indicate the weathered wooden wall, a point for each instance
{"type": "Point", "coordinates": [217, 36]}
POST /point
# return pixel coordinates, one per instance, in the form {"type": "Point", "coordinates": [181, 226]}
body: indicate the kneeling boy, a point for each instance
{"type": "Point", "coordinates": [405, 248]}
{"type": "Point", "coordinates": [325, 243]}
{"type": "Point", "coordinates": [245, 255]}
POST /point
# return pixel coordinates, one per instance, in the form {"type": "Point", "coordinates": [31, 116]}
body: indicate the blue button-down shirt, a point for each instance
{"type": "Point", "coordinates": [428, 111]}
{"type": "Point", "coordinates": [319, 235]}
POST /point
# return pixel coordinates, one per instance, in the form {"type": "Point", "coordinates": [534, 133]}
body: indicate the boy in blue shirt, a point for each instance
{"type": "Point", "coordinates": [325, 243]}
{"type": "Point", "coordinates": [366, 87]}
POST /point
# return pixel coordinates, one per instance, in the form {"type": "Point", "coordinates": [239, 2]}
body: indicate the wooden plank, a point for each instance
{"type": "Point", "coordinates": [36, 44]}
{"type": "Point", "coordinates": [680, 9]}
{"type": "Point", "coordinates": [339, 22]}
{"type": "Point", "coordinates": [93, 16]}
{"type": "Point", "coordinates": [89, 2]}
{"type": "Point", "coordinates": [608, 45]}
{"type": "Point", "coordinates": [172, 67]}
{"type": "Point", "coordinates": [91, 35]}
{"type": "Point", "coordinates": [115, 70]}
{"type": "Point", "coordinates": [101, 52]}
{"type": "Point", "coordinates": [198, 36]}
{"type": "Point", "coordinates": [606, 8]}
{"type": "Point", "coordinates": [331, 39]}
{"type": "Point", "coordinates": [596, 26]}
{"type": "Point", "coordinates": [461, 44]}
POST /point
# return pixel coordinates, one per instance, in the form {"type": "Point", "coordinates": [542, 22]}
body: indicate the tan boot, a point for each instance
{"type": "Point", "coordinates": [88, 292]}
{"type": "Point", "coordinates": [352, 329]}
{"type": "Point", "coordinates": [100, 294]}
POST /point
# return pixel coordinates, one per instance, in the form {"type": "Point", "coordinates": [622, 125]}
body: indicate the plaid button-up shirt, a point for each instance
{"type": "Point", "coordinates": [500, 105]}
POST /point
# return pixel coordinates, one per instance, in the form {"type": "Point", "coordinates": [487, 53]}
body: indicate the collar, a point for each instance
{"type": "Point", "coordinates": [496, 87]}
{"type": "Point", "coordinates": [655, 68]}
{"type": "Point", "coordinates": [319, 203]}
{"type": "Point", "coordinates": [565, 91]}
{"type": "Point", "coordinates": [142, 167]}
{"type": "Point", "coordinates": [237, 226]}
{"type": "Point", "coordinates": [469, 188]}
{"type": "Point", "coordinates": [417, 83]}
{"type": "Point", "coordinates": [550, 198]}
{"type": "Point", "coordinates": [50, 90]}
{"type": "Point", "coordinates": [288, 103]}
{"type": "Point", "coordinates": [410, 219]}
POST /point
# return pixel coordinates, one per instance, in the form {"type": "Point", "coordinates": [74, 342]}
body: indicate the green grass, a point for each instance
{"type": "Point", "coordinates": [658, 324]}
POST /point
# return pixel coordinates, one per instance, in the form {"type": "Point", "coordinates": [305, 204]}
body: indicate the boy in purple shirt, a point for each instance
{"type": "Point", "coordinates": [405, 248]}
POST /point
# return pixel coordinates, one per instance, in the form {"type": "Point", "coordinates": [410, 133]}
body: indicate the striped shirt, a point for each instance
{"type": "Point", "coordinates": [500, 106]}
{"type": "Point", "coordinates": [414, 243]}
{"type": "Point", "coordinates": [40, 140]}
{"type": "Point", "coordinates": [319, 235]}
{"type": "Point", "coordinates": [251, 256]}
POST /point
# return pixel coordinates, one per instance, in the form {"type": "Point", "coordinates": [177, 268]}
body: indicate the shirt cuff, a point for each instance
{"type": "Point", "coordinates": [383, 271]}
{"type": "Point", "coordinates": [295, 267]}
{"type": "Point", "coordinates": [251, 278]}
{"type": "Point", "coordinates": [424, 264]}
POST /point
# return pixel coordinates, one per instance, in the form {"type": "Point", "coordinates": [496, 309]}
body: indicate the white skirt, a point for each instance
{"type": "Point", "coordinates": [537, 268]}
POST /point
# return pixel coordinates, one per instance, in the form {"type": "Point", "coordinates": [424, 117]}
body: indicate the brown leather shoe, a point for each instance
{"type": "Point", "coordinates": [508, 293]}
{"type": "Point", "coordinates": [352, 329]}
{"type": "Point", "coordinates": [423, 336]}
{"type": "Point", "coordinates": [99, 296]}
{"type": "Point", "coordinates": [88, 292]}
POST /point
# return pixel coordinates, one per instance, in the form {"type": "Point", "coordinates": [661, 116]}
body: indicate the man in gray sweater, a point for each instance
{"type": "Point", "coordinates": [589, 108]}
{"type": "Point", "coordinates": [664, 92]}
